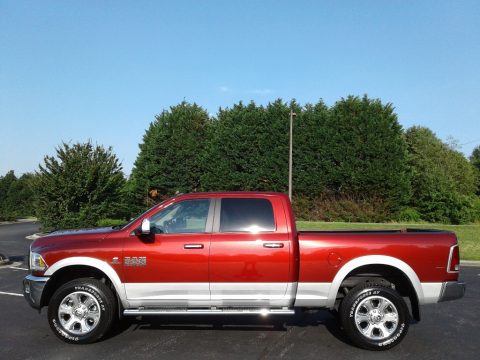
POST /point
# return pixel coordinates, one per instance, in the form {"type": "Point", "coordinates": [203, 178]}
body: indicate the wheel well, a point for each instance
{"type": "Point", "coordinates": [389, 275]}
{"type": "Point", "coordinates": [73, 272]}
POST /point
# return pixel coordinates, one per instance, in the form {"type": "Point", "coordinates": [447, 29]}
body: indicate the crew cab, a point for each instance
{"type": "Point", "coordinates": [239, 253]}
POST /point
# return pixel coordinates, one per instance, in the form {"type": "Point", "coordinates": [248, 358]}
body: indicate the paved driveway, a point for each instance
{"type": "Point", "coordinates": [449, 330]}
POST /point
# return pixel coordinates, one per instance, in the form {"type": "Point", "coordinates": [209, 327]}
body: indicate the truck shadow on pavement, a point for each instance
{"type": "Point", "coordinates": [233, 322]}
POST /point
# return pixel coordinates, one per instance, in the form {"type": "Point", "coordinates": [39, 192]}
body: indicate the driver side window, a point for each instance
{"type": "Point", "coordinates": [189, 216]}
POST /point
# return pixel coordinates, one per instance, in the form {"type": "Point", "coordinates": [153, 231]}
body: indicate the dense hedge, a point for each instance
{"type": "Point", "coordinates": [16, 196]}
{"type": "Point", "coordinates": [352, 162]}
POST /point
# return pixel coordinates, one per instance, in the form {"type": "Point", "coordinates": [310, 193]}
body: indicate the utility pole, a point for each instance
{"type": "Point", "coordinates": [290, 159]}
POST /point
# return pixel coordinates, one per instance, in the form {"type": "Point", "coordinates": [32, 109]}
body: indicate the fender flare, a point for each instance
{"type": "Point", "coordinates": [373, 260]}
{"type": "Point", "coordinates": [103, 266]}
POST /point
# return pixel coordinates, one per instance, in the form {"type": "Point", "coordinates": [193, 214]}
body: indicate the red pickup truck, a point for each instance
{"type": "Point", "coordinates": [239, 253]}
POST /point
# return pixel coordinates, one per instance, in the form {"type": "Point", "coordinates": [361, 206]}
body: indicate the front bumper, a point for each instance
{"type": "Point", "coordinates": [33, 289]}
{"type": "Point", "coordinates": [452, 290]}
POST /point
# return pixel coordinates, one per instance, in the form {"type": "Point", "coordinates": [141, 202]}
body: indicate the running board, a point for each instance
{"type": "Point", "coordinates": [210, 311]}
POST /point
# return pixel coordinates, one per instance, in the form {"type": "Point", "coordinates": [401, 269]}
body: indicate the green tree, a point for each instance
{"type": "Point", "coordinates": [475, 157]}
{"type": "Point", "coordinates": [78, 186]}
{"type": "Point", "coordinates": [475, 161]}
{"type": "Point", "coordinates": [310, 150]}
{"type": "Point", "coordinates": [248, 149]}
{"type": "Point", "coordinates": [15, 196]}
{"type": "Point", "coordinates": [169, 158]}
{"type": "Point", "coordinates": [366, 151]}
{"type": "Point", "coordinates": [443, 180]}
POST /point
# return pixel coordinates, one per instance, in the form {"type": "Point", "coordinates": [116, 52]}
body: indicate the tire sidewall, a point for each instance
{"type": "Point", "coordinates": [105, 312]}
{"type": "Point", "coordinates": [355, 334]}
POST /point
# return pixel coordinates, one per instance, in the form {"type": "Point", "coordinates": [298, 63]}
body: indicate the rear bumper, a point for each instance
{"type": "Point", "coordinates": [33, 289]}
{"type": "Point", "coordinates": [452, 290]}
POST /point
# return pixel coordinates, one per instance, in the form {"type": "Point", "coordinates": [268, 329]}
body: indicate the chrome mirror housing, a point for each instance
{"type": "Point", "coordinates": [145, 228]}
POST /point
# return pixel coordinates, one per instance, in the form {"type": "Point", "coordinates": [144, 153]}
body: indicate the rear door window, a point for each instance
{"type": "Point", "coordinates": [246, 215]}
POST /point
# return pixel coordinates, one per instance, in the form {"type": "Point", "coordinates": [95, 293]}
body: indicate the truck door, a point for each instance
{"type": "Point", "coordinates": [170, 267]}
{"type": "Point", "coordinates": [250, 253]}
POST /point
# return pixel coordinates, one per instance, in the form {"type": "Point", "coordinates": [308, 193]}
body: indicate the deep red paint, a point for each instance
{"type": "Point", "coordinates": [241, 257]}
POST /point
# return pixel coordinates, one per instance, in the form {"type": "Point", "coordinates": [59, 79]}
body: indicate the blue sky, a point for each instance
{"type": "Point", "coordinates": [100, 70]}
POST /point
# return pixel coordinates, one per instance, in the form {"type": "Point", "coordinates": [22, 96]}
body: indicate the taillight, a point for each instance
{"type": "Point", "coordinates": [454, 259]}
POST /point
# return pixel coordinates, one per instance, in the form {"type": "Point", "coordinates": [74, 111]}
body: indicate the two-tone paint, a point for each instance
{"type": "Point", "coordinates": [281, 268]}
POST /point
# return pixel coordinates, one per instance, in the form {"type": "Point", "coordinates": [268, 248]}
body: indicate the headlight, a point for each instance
{"type": "Point", "coordinates": [37, 263]}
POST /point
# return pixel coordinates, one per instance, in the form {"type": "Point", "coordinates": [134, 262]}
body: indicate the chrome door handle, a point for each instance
{"type": "Point", "coordinates": [273, 245]}
{"type": "Point", "coordinates": [193, 246]}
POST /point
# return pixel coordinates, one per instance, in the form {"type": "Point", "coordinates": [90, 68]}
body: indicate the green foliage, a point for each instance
{"type": "Point", "coordinates": [366, 151]}
{"type": "Point", "coordinates": [15, 196]}
{"type": "Point", "coordinates": [475, 161]}
{"type": "Point", "coordinates": [335, 207]}
{"type": "Point", "coordinates": [409, 215]}
{"type": "Point", "coordinates": [78, 186]}
{"type": "Point", "coordinates": [354, 149]}
{"type": "Point", "coordinates": [351, 161]}
{"type": "Point", "coordinates": [444, 182]}
{"type": "Point", "coordinates": [248, 149]}
{"type": "Point", "coordinates": [475, 157]}
{"type": "Point", "coordinates": [169, 158]}
{"type": "Point", "coordinates": [311, 165]}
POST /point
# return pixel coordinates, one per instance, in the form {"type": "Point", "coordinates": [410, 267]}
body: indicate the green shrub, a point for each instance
{"type": "Point", "coordinates": [409, 215]}
{"type": "Point", "coordinates": [331, 207]}
{"type": "Point", "coordinates": [78, 186]}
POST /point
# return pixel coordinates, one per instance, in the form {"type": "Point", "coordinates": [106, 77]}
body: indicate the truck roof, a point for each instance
{"type": "Point", "coordinates": [232, 193]}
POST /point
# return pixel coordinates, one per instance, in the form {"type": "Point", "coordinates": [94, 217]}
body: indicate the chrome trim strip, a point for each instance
{"type": "Point", "coordinates": [214, 311]}
{"type": "Point", "coordinates": [216, 217]}
{"type": "Point", "coordinates": [211, 212]}
{"type": "Point", "coordinates": [193, 246]}
{"type": "Point", "coordinates": [450, 261]}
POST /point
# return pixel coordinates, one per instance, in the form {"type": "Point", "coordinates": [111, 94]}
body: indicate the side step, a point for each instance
{"type": "Point", "coordinates": [208, 311]}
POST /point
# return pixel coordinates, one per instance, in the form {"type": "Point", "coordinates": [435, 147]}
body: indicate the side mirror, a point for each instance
{"type": "Point", "coordinates": [145, 228]}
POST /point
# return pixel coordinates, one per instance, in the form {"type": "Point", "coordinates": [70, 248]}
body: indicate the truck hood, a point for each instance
{"type": "Point", "coordinates": [71, 238]}
{"type": "Point", "coordinates": [100, 230]}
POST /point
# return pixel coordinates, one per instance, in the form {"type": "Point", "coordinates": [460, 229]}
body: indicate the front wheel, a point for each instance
{"type": "Point", "coordinates": [81, 311]}
{"type": "Point", "coordinates": [374, 316]}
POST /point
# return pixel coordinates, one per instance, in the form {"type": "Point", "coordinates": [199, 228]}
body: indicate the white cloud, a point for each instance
{"type": "Point", "coordinates": [224, 89]}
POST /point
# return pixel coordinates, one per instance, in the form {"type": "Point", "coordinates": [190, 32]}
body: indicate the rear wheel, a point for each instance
{"type": "Point", "coordinates": [81, 311]}
{"type": "Point", "coordinates": [374, 316]}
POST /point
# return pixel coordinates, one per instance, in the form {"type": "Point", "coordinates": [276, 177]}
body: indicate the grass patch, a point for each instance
{"type": "Point", "coordinates": [468, 235]}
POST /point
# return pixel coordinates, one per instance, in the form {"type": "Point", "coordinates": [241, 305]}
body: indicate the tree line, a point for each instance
{"type": "Point", "coordinates": [352, 161]}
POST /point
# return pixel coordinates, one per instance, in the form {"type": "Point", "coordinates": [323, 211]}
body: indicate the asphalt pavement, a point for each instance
{"type": "Point", "coordinates": [449, 330]}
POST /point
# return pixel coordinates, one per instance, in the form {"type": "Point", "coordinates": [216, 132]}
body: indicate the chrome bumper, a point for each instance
{"type": "Point", "coordinates": [33, 289]}
{"type": "Point", "coordinates": [452, 290]}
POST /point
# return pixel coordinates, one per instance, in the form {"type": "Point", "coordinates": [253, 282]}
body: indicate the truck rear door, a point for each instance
{"type": "Point", "coordinates": [250, 253]}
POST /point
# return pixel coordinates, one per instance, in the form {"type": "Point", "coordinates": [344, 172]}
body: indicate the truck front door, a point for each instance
{"type": "Point", "coordinates": [170, 267]}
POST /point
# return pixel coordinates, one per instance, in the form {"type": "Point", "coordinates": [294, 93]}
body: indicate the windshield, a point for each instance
{"type": "Point", "coordinates": [139, 216]}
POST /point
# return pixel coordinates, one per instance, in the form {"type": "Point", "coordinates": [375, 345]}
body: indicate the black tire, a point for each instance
{"type": "Point", "coordinates": [357, 303]}
{"type": "Point", "coordinates": [85, 292]}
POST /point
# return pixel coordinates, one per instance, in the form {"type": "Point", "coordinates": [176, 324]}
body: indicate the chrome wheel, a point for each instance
{"type": "Point", "coordinates": [79, 313]}
{"type": "Point", "coordinates": [376, 317]}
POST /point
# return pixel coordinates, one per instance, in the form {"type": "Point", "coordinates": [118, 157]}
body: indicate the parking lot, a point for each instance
{"type": "Point", "coordinates": [447, 330]}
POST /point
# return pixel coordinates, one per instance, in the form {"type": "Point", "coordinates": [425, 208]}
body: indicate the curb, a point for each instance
{"type": "Point", "coordinates": [19, 221]}
{"type": "Point", "coordinates": [470, 263]}
{"type": "Point", "coordinates": [34, 236]}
